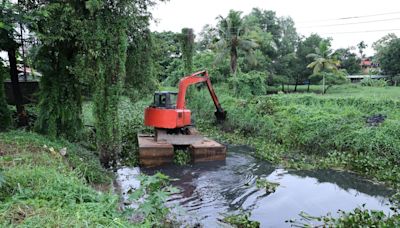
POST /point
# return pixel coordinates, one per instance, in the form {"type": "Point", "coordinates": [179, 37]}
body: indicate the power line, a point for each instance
{"type": "Point", "coordinates": [351, 17]}
{"type": "Point", "coordinates": [352, 23]}
{"type": "Point", "coordinates": [366, 31]}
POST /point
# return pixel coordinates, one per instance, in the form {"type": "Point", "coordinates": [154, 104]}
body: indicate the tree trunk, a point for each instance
{"type": "Point", "coordinates": [233, 60]}
{"type": "Point", "coordinates": [295, 86]}
{"type": "Point", "coordinates": [308, 87]}
{"type": "Point", "coordinates": [323, 85]}
{"type": "Point", "coordinates": [22, 116]}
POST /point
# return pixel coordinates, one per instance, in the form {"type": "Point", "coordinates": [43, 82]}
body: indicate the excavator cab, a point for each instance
{"type": "Point", "coordinates": [165, 99]}
{"type": "Point", "coordinates": [173, 128]}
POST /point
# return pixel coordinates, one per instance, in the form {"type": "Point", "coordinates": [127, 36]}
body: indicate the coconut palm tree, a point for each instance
{"type": "Point", "coordinates": [324, 60]}
{"type": "Point", "coordinates": [231, 33]}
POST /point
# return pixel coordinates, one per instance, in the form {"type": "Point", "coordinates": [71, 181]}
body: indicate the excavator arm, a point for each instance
{"type": "Point", "coordinates": [199, 77]}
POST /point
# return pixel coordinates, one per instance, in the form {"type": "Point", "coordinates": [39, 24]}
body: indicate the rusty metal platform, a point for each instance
{"type": "Point", "coordinates": [207, 150]}
{"type": "Point", "coordinates": [152, 153]}
{"type": "Point", "coordinates": [156, 151]}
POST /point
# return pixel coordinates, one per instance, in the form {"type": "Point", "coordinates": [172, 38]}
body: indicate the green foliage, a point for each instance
{"type": "Point", "coordinates": [5, 114]}
{"type": "Point", "coordinates": [187, 45]}
{"type": "Point", "coordinates": [241, 221]}
{"type": "Point", "coordinates": [348, 61]}
{"type": "Point", "coordinates": [2, 180]}
{"type": "Point", "coordinates": [305, 47]}
{"type": "Point", "coordinates": [44, 188]}
{"type": "Point", "coordinates": [269, 187]}
{"type": "Point", "coordinates": [329, 79]}
{"type": "Point", "coordinates": [175, 73]}
{"type": "Point", "coordinates": [314, 131]}
{"type": "Point", "coordinates": [60, 90]}
{"type": "Point", "coordinates": [247, 84]}
{"type": "Point", "coordinates": [181, 157]}
{"type": "Point", "coordinates": [152, 196]}
{"type": "Point", "coordinates": [131, 116]}
{"type": "Point", "coordinates": [389, 57]}
{"type": "Point", "coordinates": [361, 46]}
{"type": "Point", "coordinates": [166, 51]}
{"type": "Point", "coordinates": [106, 44]}
{"type": "Point", "coordinates": [373, 82]}
{"type": "Point", "coordinates": [29, 149]}
{"type": "Point", "coordinates": [140, 77]}
{"type": "Point", "coordinates": [359, 217]}
{"type": "Point", "coordinates": [232, 38]}
{"type": "Point", "coordinates": [323, 59]}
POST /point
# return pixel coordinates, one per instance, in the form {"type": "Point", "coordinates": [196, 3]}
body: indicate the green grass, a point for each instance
{"type": "Point", "coordinates": [313, 130]}
{"type": "Point", "coordinates": [348, 90]}
{"type": "Point", "coordinates": [356, 90]}
{"type": "Point", "coordinates": [45, 189]}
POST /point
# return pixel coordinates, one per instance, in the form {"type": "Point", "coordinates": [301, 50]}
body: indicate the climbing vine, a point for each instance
{"type": "Point", "coordinates": [60, 90]}
{"type": "Point", "coordinates": [140, 73]}
{"type": "Point", "coordinates": [187, 45]}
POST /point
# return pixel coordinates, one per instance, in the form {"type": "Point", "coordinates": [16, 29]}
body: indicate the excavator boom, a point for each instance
{"type": "Point", "coordinates": [167, 116]}
{"type": "Point", "coordinates": [173, 127]}
{"type": "Point", "coordinates": [199, 77]}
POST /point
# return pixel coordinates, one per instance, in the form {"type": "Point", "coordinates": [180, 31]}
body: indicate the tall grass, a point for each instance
{"type": "Point", "coordinates": [42, 188]}
{"type": "Point", "coordinates": [332, 128]}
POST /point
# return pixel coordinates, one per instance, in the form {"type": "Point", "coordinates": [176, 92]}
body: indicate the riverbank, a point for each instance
{"type": "Point", "coordinates": [307, 131]}
{"type": "Point", "coordinates": [46, 183]}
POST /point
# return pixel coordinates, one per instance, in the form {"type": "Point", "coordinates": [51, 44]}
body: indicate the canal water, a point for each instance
{"type": "Point", "coordinates": [210, 191]}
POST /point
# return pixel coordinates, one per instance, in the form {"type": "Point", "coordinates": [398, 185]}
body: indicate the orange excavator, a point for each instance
{"type": "Point", "coordinates": [173, 127]}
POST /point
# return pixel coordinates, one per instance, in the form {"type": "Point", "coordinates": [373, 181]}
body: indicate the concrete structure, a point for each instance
{"type": "Point", "coordinates": [358, 78]}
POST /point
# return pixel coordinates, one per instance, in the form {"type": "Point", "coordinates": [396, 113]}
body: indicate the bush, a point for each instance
{"type": "Point", "coordinates": [373, 82]}
{"type": "Point", "coordinates": [247, 84]}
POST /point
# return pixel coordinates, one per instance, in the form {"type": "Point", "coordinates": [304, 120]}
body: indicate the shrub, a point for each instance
{"type": "Point", "coordinates": [373, 82]}
{"type": "Point", "coordinates": [246, 84]}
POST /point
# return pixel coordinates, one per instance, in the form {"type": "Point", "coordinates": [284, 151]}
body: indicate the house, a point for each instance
{"type": "Point", "coordinates": [368, 65]}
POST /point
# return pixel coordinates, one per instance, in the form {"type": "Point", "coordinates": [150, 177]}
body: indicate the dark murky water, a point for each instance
{"type": "Point", "coordinates": [215, 189]}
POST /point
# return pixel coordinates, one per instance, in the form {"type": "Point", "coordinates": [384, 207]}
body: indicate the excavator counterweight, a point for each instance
{"type": "Point", "coordinates": [173, 126]}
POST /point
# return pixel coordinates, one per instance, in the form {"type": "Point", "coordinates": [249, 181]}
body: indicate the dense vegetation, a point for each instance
{"type": "Point", "coordinates": [359, 133]}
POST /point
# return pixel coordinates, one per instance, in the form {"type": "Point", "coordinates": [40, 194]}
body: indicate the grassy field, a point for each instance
{"type": "Point", "coordinates": [349, 90]}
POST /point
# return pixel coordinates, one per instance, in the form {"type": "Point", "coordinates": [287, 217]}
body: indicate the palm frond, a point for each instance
{"type": "Point", "coordinates": [247, 45]}
{"type": "Point", "coordinates": [221, 56]}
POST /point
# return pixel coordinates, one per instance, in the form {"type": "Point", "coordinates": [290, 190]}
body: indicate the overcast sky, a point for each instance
{"type": "Point", "coordinates": [310, 16]}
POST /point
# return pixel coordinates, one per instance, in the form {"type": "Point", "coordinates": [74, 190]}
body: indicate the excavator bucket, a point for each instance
{"type": "Point", "coordinates": [220, 115]}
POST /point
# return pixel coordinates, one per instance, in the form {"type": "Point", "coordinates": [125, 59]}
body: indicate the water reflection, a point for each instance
{"type": "Point", "coordinates": [212, 189]}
